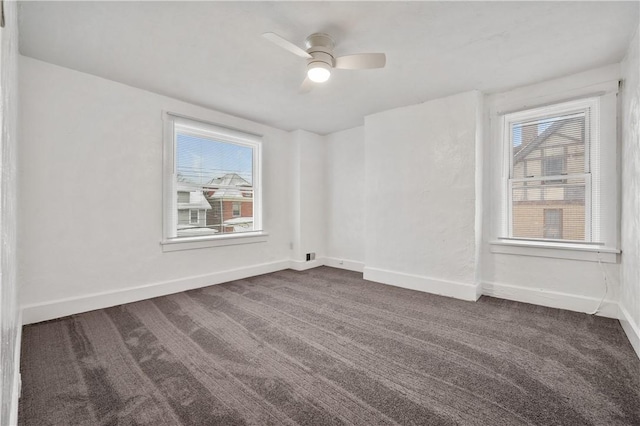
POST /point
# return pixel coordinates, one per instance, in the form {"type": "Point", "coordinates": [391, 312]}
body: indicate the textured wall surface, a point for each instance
{"type": "Point", "coordinates": [96, 145]}
{"type": "Point", "coordinates": [539, 279]}
{"type": "Point", "coordinates": [630, 289]}
{"type": "Point", "coordinates": [308, 195]}
{"type": "Point", "coordinates": [420, 189]}
{"type": "Point", "coordinates": [345, 194]}
{"type": "Point", "coordinates": [9, 323]}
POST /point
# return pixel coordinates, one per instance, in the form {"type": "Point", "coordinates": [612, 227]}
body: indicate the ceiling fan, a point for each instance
{"type": "Point", "coordinates": [321, 60]}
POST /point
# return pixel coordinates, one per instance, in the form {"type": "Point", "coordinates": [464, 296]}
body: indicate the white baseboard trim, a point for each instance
{"type": "Point", "coordinates": [350, 265]}
{"type": "Point", "coordinates": [73, 305]}
{"type": "Point", "coordinates": [303, 265]}
{"type": "Point", "coordinates": [17, 382]}
{"type": "Point", "coordinates": [421, 283]}
{"type": "Point", "coordinates": [63, 307]}
{"type": "Point", "coordinates": [334, 262]}
{"type": "Point", "coordinates": [478, 290]}
{"type": "Point", "coordinates": [631, 329]}
{"type": "Point", "coordinates": [551, 299]}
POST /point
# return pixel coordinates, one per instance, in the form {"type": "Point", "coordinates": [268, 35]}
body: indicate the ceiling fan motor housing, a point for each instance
{"type": "Point", "coordinates": [320, 47]}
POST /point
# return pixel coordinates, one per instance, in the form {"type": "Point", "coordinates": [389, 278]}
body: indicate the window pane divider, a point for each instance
{"type": "Point", "coordinates": [554, 177]}
{"type": "Point", "coordinates": [548, 240]}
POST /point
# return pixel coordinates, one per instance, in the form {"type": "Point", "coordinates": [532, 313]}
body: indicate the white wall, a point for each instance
{"type": "Point", "coordinates": [90, 189]}
{"type": "Point", "coordinates": [420, 167]}
{"type": "Point", "coordinates": [401, 198]}
{"type": "Point", "coordinates": [10, 327]}
{"type": "Point", "coordinates": [426, 226]}
{"type": "Point", "coordinates": [345, 210]}
{"type": "Point", "coordinates": [309, 225]}
{"type": "Point", "coordinates": [630, 285]}
{"type": "Point", "coordinates": [568, 284]}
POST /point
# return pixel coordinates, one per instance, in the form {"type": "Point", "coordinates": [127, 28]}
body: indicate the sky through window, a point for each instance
{"type": "Point", "coordinates": [199, 159]}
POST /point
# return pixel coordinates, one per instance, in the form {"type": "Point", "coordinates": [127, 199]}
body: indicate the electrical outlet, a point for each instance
{"type": "Point", "coordinates": [311, 256]}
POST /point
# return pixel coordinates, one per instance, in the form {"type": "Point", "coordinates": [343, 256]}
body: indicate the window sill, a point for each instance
{"type": "Point", "coordinates": [587, 253]}
{"type": "Point", "coordinates": [190, 243]}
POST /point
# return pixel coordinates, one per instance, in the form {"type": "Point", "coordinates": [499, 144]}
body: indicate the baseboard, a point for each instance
{"type": "Point", "coordinates": [17, 384]}
{"type": "Point", "coordinates": [63, 307]}
{"type": "Point", "coordinates": [421, 283]}
{"type": "Point", "coordinates": [478, 290]}
{"type": "Point", "coordinates": [60, 308]}
{"type": "Point", "coordinates": [302, 265]}
{"type": "Point", "coordinates": [631, 329]}
{"type": "Point", "coordinates": [74, 305]}
{"type": "Point", "coordinates": [334, 262]}
{"type": "Point", "coordinates": [350, 265]}
{"type": "Point", "coordinates": [551, 299]}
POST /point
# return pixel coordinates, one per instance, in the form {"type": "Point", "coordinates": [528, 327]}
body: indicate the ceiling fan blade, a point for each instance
{"type": "Point", "coordinates": [361, 61]}
{"type": "Point", "coordinates": [306, 86]}
{"type": "Point", "coordinates": [286, 44]}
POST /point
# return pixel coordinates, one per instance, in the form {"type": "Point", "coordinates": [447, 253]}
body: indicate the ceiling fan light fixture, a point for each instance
{"type": "Point", "coordinates": [321, 60]}
{"type": "Point", "coordinates": [319, 72]}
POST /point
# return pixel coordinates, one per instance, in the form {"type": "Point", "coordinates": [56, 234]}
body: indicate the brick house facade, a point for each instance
{"type": "Point", "coordinates": [231, 201]}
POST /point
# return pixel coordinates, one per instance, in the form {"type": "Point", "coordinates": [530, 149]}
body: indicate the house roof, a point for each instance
{"type": "Point", "coordinates": [230, 185]}
{"type": "Point", "coordinates": [197, 199]}
{"type": "Point", "coordinates": [521, 152]}
{"type": "Point", "coordinates": [525, 149]}
{"type": "Point", "coordinates": [238, 221]}
{"type": "Point", "coordinates": [230, 179]}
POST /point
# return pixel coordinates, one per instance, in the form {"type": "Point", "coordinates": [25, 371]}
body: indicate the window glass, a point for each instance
{"type": "Point", "coordinates": [553, 223]}
{"type": "Point", "coordinates": [194, 216]}
{"type": "Point", "coordinates": [544, 146]}
{"type": "Point", "coordinates": [213, 182]}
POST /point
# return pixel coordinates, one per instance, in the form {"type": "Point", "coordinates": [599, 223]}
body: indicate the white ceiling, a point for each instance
{"type": "Point", "coordinates": [212, 54]}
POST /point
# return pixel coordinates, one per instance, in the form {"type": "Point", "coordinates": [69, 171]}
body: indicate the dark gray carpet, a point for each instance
{"type": "Point", "coordinates": [324, 347]}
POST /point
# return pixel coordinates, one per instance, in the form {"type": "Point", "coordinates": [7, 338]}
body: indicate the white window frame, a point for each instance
{"type": "Point", "coordinates": [548, 96]}
{"type": "Point", "coordinates": [170, 240]}
{"type": "Point", "coordinates": [590, 173]}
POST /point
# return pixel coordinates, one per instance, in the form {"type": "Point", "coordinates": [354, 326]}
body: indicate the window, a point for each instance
{"type": "Point", "coordinates": [553, 177]}
{"type": "Point", "coordinates": [553, 224]}
{"type": "Point", "coordinates": [552, 170]}
{"type": "Point", "coordinates": [209, 170]}
{"type": "Point", "coordinates": [183, 197]}
{"type": "Point", "coordinates": [194, 217]}
{"type": "Point", "coordinates": [183, 217]}
{"type": "Point", "coordinates": [553, 166]}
